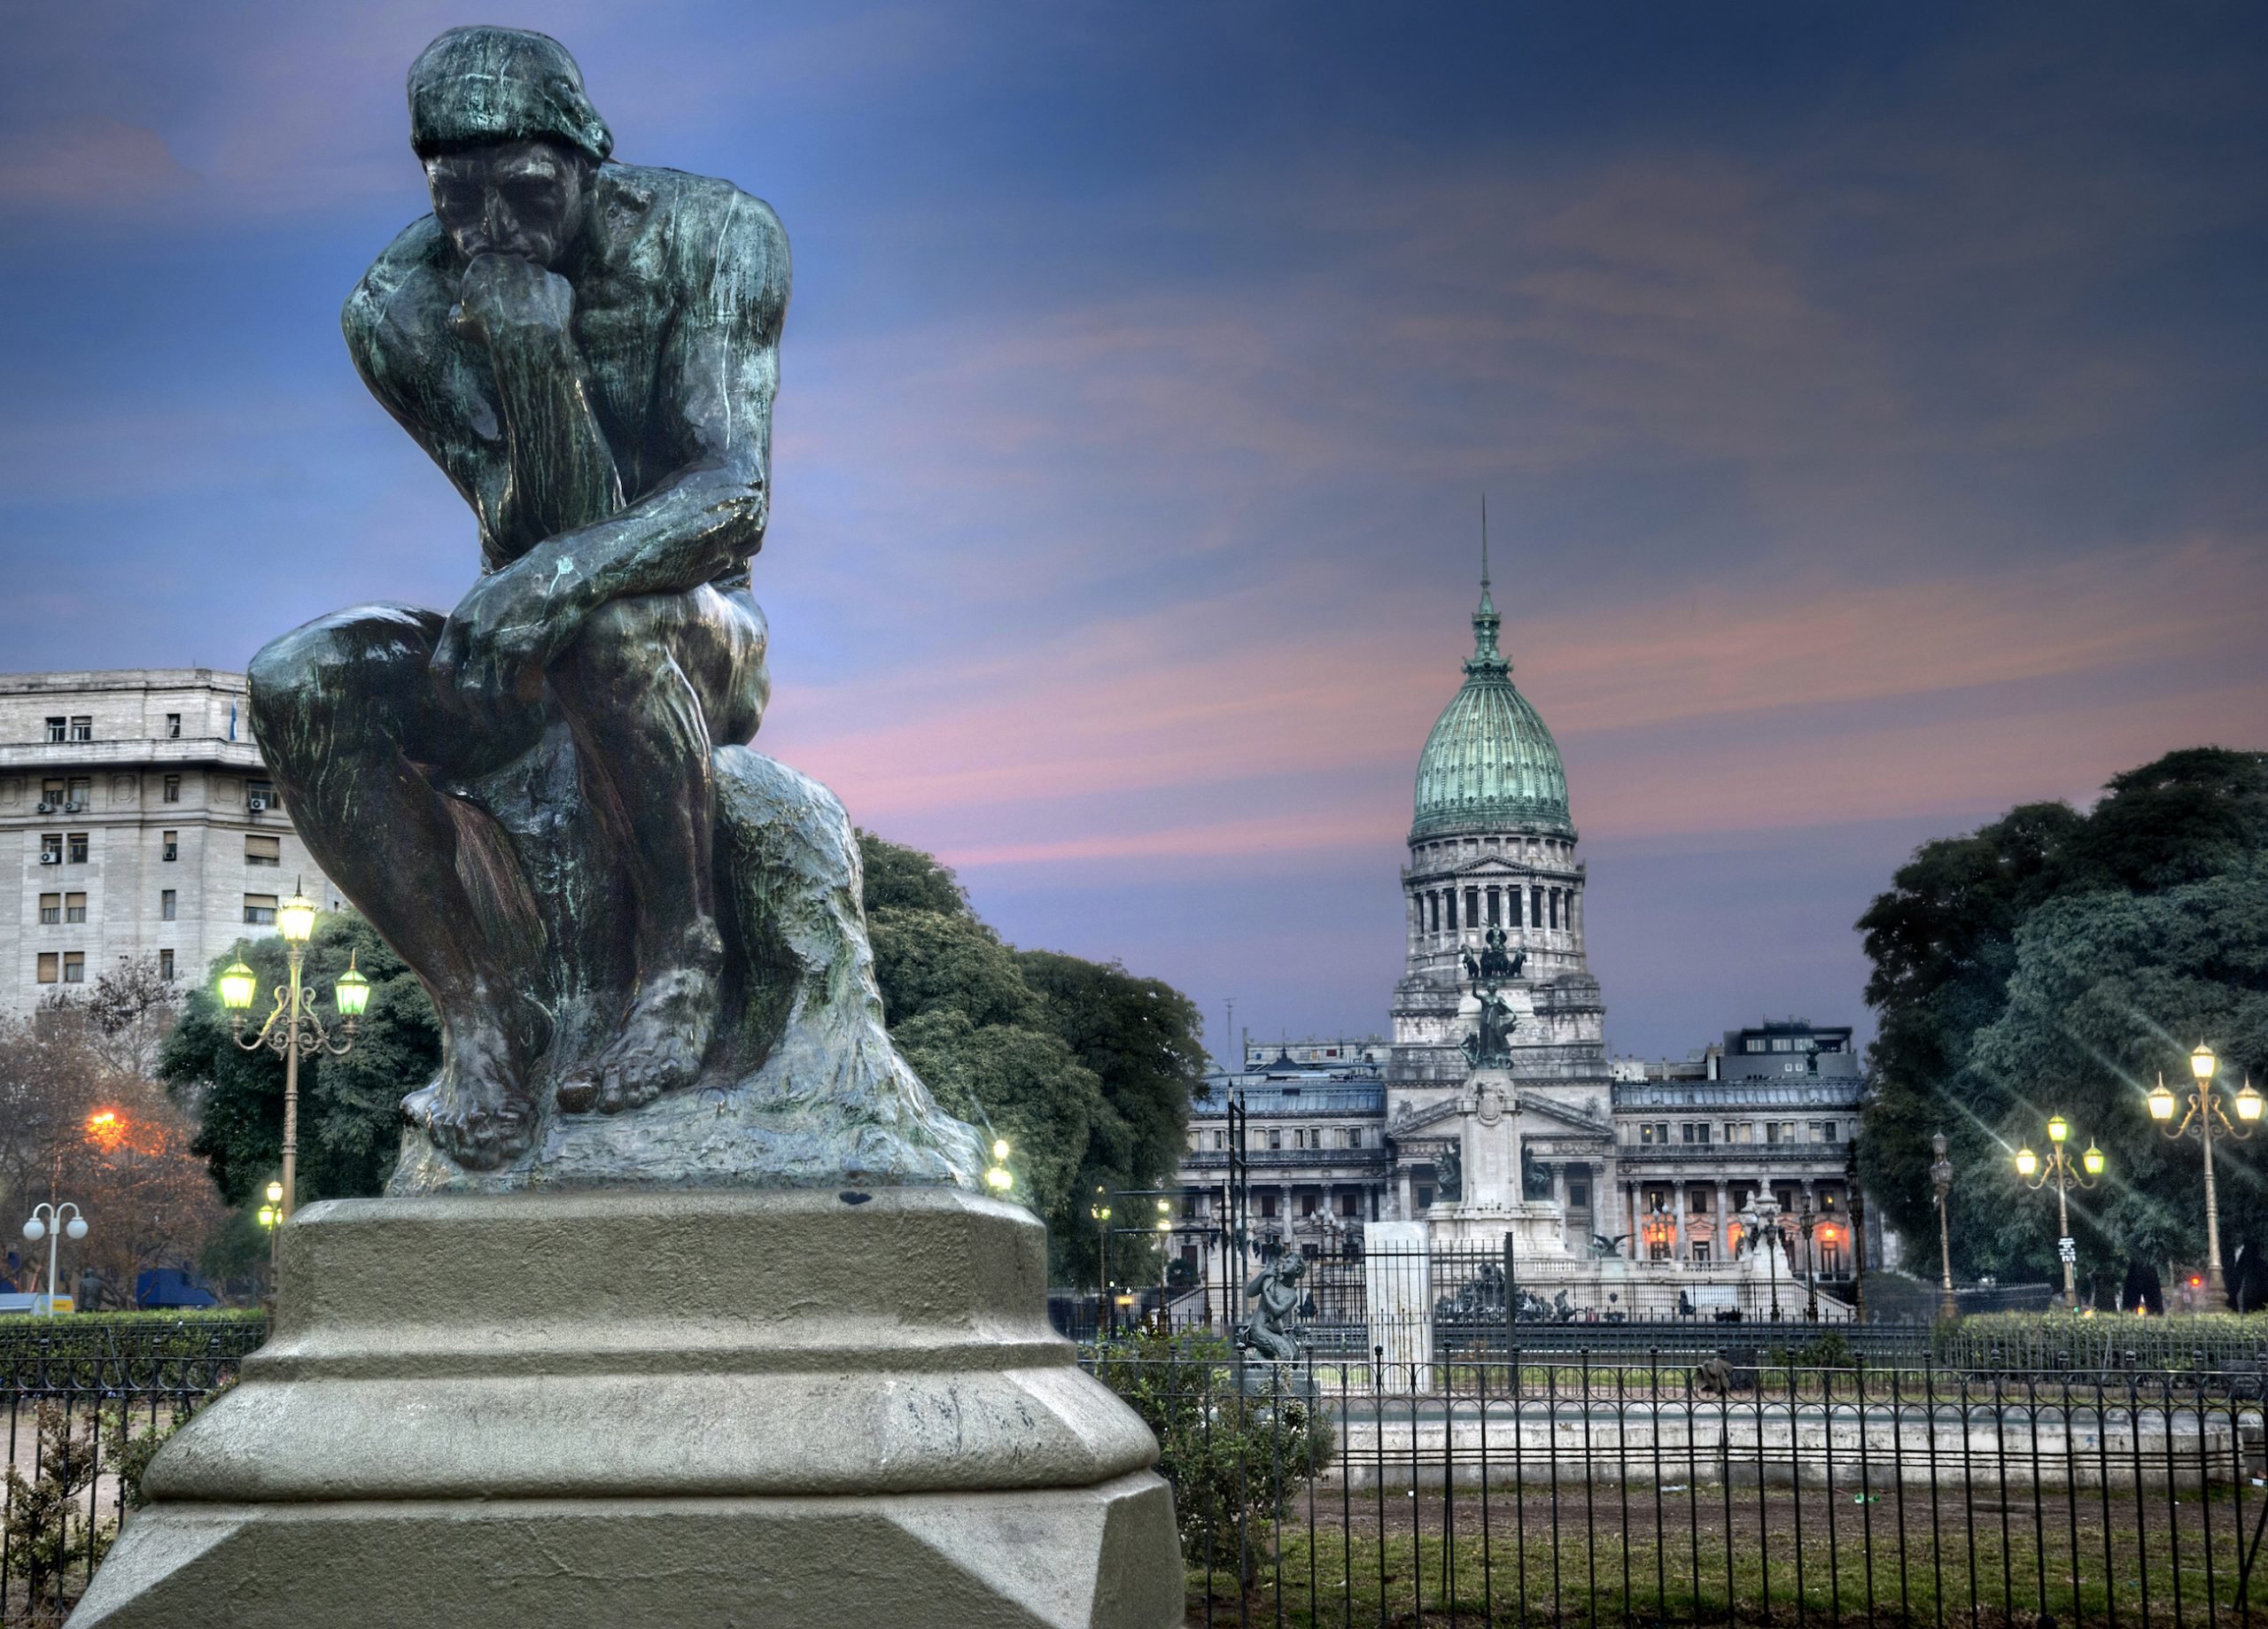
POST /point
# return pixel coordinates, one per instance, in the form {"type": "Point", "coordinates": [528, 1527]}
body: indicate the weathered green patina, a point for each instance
{"type": "Point", "coordinates": [643, 939]}
{"type": "Point", "coordinates": [1489, 764]}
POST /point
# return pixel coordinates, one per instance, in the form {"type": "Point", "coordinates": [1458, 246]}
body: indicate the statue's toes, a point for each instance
{"type": "Point", "coordinates": [578, 1094]}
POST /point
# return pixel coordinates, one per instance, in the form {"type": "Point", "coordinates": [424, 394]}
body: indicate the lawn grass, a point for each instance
{"type": "Point", "coordinates": [1771, 1558]}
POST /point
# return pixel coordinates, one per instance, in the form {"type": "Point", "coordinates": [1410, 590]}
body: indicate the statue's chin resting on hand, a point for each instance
{"type": "Point", "coordinates": [642, 938]}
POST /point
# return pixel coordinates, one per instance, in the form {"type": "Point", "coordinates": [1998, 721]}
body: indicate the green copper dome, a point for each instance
{"type": "Point", "coordinates": [1489, 765]}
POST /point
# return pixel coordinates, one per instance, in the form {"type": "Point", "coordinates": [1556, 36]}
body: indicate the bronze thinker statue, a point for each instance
{"type": "Point", "coordinates": [544, 800]}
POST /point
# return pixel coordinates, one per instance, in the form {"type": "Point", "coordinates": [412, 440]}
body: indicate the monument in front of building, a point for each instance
{"type": "Point", "coordinates": [683, 1309]}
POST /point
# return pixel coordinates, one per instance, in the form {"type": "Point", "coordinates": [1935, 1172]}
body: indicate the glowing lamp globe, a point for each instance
{"type": "Point", "coordinates": [2160, 1101]}
{"type": "Point", "coordinates": [2093, 1159]}
{"type": "Point", "coordinates": [1164, 1226]}
{"type": "Point", "coordinates": [1000, 1151]}
{"type": "Point", "coordinates": [2247, 1101]}
{"type": "Point", "coordinates": [238, 984]}
{"type": "Point", "coordinates": [267, 1215]}
{"type": "Point", "coordinates": [2202, 1063]}
{"type": "Point", "coordinates": [2027, 1162]}
{"type": "Point", "coordinates": [275, 1193]}
{"type": "Point", "coordinates": [295, 919]}
{"type": "Point", "coordinates": [2058, 1128]}
{"type": "Point", "coordinates": [352, 992]}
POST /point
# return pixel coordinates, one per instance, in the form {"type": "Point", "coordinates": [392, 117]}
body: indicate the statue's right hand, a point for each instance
{"type": "Point", "coordinates": [504, 298]}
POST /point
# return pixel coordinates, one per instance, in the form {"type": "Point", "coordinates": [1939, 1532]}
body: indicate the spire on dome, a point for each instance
{"type": "Point", "coordinates": [1486, 662]}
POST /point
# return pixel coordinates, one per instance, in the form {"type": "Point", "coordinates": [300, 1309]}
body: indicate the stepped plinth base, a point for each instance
{"type": "Point", "coordinates": [659, 1410]}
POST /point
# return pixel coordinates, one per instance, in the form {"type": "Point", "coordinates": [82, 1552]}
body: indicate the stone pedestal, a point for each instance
{"type": "Point", "coordinates": [754, 1411]}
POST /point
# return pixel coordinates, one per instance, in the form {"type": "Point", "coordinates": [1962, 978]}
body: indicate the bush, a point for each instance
{"type": "Point", "coordinates": [46, 1534]}
{"type": "Point", "coordinates": [1235, 1460]}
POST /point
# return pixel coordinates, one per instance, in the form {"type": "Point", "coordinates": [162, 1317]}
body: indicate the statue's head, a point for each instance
{"type": "Point", "coordinates": [507, 138]}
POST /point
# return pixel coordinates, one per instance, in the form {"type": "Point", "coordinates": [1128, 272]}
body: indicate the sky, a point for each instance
{"type": "Point", "coordinates": [1868, 403]}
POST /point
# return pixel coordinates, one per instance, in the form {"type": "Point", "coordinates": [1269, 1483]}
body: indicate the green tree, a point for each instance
{"type": "Point", "coordinates": [350, 1114]}
{"type": "Point", "coordinates": [1083, 1067]}
{"type": "Point", "coordinates": [1139, 1038]}
{"type": "Point", "coordinates": [2110, 988]}
{"type": "Point", "coordinates": [2053, 960]}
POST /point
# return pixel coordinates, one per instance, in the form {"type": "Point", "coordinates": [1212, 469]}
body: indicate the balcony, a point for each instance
{"type": "Point", "coordinates": [1734, 1156]}
{"type": "Point", "coordinates": [1281, 1158]}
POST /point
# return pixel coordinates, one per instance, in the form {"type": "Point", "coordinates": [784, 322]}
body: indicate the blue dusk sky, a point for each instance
{"type": "Point", "coordinates": [1869, 401]}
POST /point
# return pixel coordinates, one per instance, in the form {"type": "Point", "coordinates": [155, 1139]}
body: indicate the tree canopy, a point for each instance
{"type": "Point", "coordinates": [2059, 961]}
{"type": "Point", "coordinates": [1084, 1067]}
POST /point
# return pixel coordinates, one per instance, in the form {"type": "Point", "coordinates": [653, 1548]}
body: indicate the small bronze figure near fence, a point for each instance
{"type": "Point", "coordinates": [1275, 1290]}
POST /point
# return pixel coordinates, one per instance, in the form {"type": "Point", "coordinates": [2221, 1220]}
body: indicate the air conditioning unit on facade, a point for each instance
{"type": "Point", "coordinates": [50, 859]}
{"type": "Point", "coordinates": [74, 808]}
{"type": "Point", "coordinates": [257, 804]}
{"type": "Point", "coordinates": [47, 808]}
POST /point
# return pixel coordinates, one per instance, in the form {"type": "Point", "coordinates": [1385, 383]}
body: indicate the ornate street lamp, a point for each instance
{"type": "Point", "coordinates": [1941, 1178]}
{"type": "Point", "coordinates": [2203, 1112]}
{"type": "Point", "coordinates": [1101, 1211]}
{"type": "Point", "coordinates": [2060, 1172]}
{"type": "Point", "coordinates": [271, 1216]}
{"type": "Point", "coordinates": [1000, 1178]}
{"type": "Point", "coordinates": [46, 1222]}
{"type": "Point", "coordinates": [292, 1025]}
{"type": "Point", "coordinates": [1805, 1223]}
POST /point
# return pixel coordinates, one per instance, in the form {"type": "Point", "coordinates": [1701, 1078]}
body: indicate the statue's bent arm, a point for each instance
{"type": "Point", "coordinates": [719, 371]}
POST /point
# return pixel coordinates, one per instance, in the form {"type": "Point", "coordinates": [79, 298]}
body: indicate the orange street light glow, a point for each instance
{"type": "Point", "coordinates": [104, 1127]}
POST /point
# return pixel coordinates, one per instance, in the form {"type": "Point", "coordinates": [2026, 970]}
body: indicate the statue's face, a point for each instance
{"type": "Point", "coordinates": [522, 198]}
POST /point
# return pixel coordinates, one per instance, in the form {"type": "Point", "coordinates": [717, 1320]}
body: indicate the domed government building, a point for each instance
{"type": "Point", "coordinates": [1493, 1108]}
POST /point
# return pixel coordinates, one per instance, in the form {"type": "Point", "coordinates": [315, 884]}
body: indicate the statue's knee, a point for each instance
{"type": "Point", "coordinates": [283, 678]}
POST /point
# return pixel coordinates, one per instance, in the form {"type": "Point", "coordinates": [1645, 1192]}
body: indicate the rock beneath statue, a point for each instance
{"type": "Point", "coordinates": [804, 1087]}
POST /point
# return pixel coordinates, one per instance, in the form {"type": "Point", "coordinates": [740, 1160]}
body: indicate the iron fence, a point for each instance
{"type": "Point", "coordinates": [1545, 1490]}
{"type": "Point", "coordinates": [85, 1410]}
{"type": "Point", "coordinates": [1535, 1486]}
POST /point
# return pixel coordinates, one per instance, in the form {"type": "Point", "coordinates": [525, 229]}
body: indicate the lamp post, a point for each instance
{"type": "Point", "coordinates": [1165, 1263]}
{"type": "Point", "coordinates": [998, 1177]}
{"type": "Point", "coordinates": [270, 1214]}
{"type": "Point", "coordinates": [2058, 1170]}
{"type": "Point", "coordinates": [1101, 1211]}
{"type": "Point", "coordinates": [1805, 1224]}
{"type": "Point", "coordinates": [46, 1222]}
{"type": "Point", "coordinates": [2204, 1109]}
{"type": "Point", "coordinates": [292, 1026]}
{"type": "Point", "coordinates": [1941, 1177]}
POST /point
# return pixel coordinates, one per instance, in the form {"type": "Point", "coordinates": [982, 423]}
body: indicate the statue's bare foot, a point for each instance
{"type": "Point", "coordinates": [480, 1113]}
{"type": "Point", "coordinates": [661, 1046]}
